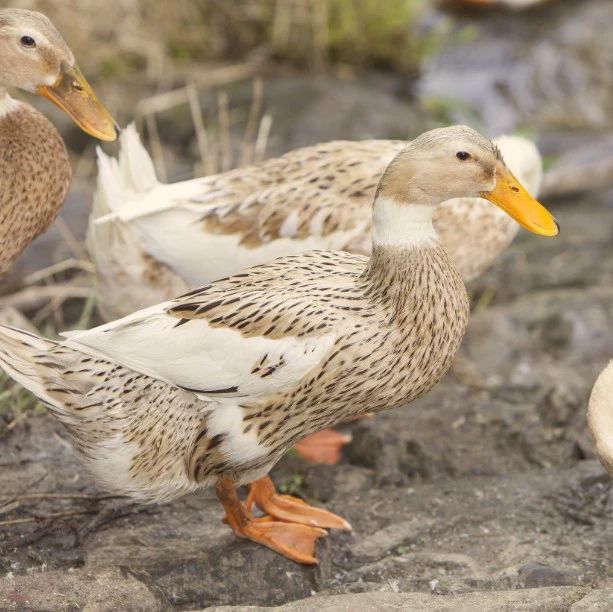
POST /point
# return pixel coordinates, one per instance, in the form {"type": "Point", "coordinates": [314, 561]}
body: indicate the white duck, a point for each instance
{"type": "Point", "coordinates": [600, 416]}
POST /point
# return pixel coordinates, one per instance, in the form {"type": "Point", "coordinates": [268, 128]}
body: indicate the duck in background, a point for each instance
{"type": "Point", "coordinates": [34, 166]}
{"type": "Point", "coordinates": [212, 388]}
{"type": "Point", "coordinates": [600, 416]}
{"type": "Point", "coordinates": [150, 241]}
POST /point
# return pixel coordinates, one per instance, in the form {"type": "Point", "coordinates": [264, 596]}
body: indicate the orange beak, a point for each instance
{"type": "Point", "coordinates": [74, 95]}
{"type": "Point", "coordinates": [510, 196]}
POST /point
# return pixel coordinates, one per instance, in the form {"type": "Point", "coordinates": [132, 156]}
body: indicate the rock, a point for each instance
{"type": "Point", "coordinates": [535, 574]}
{"type": "Point", "coordinates": [596, 601]}
{"type": "Point", "coordinates": [376, 449]}
{"type": "Point", "coordinates": [76, 589]}
{"type": "Point", "coordinates": [391, 537]}
{"type": "Point", "coordinates": [535, 600]}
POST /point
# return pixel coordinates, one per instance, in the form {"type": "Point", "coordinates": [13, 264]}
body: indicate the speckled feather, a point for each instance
{"type": "Point", "coordinates": [34, 178]}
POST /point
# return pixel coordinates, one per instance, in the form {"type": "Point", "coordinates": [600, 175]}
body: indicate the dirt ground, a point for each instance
{"type": "Point", "coordinates": [484, 495]}
{"type": "Point", "coordinates": [487, 486]}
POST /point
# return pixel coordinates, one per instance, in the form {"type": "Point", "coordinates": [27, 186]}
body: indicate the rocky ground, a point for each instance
{"type": "Point", "coordinates": [486, 487]}
{"type": "Point", "coordinates": [483, 495]}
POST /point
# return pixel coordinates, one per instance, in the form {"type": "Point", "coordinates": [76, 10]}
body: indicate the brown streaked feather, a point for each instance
{"type": "Point", "coordinates": [34, 179]}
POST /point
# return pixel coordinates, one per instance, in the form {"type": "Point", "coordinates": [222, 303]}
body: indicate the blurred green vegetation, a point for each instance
{"type": "Point", "coordinates": [157, 37]}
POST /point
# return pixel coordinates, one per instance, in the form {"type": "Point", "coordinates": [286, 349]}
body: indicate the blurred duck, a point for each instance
{"type": "Point", "coordinates": [600, 416]}
{"type": "Point", "coordinates": [212, 388]}
{"type": "Point", "coordinates": [34, 166]}
{"type": "Point", "coordinates": [150, 242]}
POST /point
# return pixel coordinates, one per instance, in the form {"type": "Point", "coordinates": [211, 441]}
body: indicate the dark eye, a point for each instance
{"type": "Point", "coordinates": [462, 155]}
{"type": "Point", "coordinates": [28, 41]}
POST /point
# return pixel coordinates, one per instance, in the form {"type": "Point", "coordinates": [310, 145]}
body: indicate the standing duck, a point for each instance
{"type": "Point", "coordinates": [600, 416]}
{"type": "Point", "coordinates": [212, 388]}
{"type": "Point", "coordinates": [34, 167]}
{"type": "Point", "coordinates": [150, 241]}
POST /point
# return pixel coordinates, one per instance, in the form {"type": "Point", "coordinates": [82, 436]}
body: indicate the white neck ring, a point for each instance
{"type": "Point", "coordinates": [402, 225]}
{"type": "Point", "coordinates": [7, 104]}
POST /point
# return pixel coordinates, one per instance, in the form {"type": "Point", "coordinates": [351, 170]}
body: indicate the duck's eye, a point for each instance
{"type": "Point", "coordinates": [28, 41]}
{"type": "Point", "coordinates": [462, 155]}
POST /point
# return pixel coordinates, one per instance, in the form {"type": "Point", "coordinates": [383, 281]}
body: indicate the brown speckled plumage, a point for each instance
{"type": "Point", "coordinates": [214, 386]}
{"type": "Point", "coordinates": [34, 178]}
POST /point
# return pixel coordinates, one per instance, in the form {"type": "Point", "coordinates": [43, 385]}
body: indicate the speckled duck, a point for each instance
{"type": "Point", "coordinates": [34, 167]}
{"type": "Point", "coordinates": [212, 388]}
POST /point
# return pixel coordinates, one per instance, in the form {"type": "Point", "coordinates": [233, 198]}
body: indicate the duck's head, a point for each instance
{"type": "Point", "coordinates": [35, 58]}
{"type": "Point", "coordinates": [456, 162]}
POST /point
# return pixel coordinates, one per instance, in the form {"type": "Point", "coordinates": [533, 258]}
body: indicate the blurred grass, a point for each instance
{"type": "Point", "coordinates": [119, 38]}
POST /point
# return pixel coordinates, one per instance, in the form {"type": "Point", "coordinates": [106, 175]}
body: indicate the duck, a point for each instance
{"type": "Point", "coordinates": [151, 241]}
{"type": "Point", "coordinates": [600, 416]}
{"type": "Point", "coordinates": [34, 167]}
{"type": "Point", "coordinates": [213, 387]}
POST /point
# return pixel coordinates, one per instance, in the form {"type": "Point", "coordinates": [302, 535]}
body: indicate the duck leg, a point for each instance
{"type": "Point", "coordinates": [294, 541]}
{"type": "Point", "coordinates": [323, 447]}
{"type": "Point", "coordinates": [290, 509]}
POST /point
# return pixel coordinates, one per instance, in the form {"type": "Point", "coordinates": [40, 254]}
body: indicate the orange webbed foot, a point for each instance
{"type": "Point", "coordinates": [291, 509]}
{"type": "Point", "coordinates": [294, 541]}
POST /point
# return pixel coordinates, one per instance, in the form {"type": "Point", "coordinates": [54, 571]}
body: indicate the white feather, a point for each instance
{"type": "Point", "coordinates": [402, 225]}
{"type": "Point", "coordinates": [199, 357]}
{"type": "Point", "coordinates": [199, 258]}
{"type": "Point", "coordinates": [7, 104]}
{"type": "Point", "coordinates": [600, 415]}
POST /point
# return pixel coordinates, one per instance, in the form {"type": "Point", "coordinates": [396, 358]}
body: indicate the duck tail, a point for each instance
{"type": "Point", "coordinates": [119, 180]}
{"type": "Point", "coordinates": [24, 357]}
{"type": "Point", "coordinates": [113, 245]}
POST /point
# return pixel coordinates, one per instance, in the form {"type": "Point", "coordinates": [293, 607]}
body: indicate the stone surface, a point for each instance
{"type": "Point", "coordinates": [76, 589]}
{"type": "Point", "coordinates": [535, 600]}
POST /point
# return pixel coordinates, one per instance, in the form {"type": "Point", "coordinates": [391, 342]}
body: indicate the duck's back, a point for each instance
{"type": "Point", "coordinates": [34, 178]}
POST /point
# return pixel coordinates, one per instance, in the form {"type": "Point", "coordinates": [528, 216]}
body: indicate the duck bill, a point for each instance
{"type": "Point", "coordinates": [510, 196]}
{"type": "Point", "coordinates": [74, 95]}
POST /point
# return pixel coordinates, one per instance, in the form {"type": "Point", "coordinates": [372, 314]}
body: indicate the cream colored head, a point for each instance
{"type": "Point", "coordinates": [455, 162]}
{"type": "Point", "coordinates": [32, 51]}
{"type": "Point", "coordinates": [35, 58]}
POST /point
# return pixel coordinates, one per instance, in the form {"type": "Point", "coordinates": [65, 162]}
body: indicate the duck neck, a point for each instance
{"type": "Point", "coordinates": [408, 260]}
{"type": "Point", "coordinates": [7, 104]}
{"type": "Point", "coordinates": [400, 225]}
